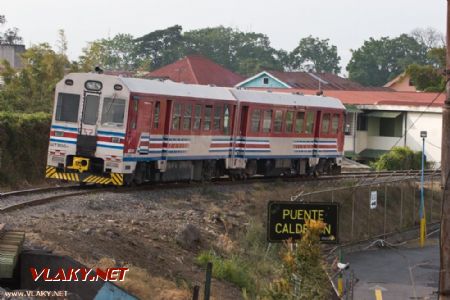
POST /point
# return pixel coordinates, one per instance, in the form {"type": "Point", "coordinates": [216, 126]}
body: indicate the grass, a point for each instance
{"type": "Point", "coordinates": [231, 269]}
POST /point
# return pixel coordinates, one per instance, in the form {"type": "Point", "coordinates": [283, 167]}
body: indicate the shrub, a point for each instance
{"type": "Point", "coordinates": [399, 158]}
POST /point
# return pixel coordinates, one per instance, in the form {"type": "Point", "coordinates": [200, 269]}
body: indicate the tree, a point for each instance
{"type": "Point", "coordinates": [32, 88]}
{"type": "Point", "coordinates": [10, 36]}
{"type": "Point", "coordinates": [118, 53]}
{"type": "Point", "coordinates": [161, 47]}
{"type": "Point", "coordinates": [378, 61]}
{"type": "Point", "coordinates": [242, 52]}
{"type": "Point", "coordinates": [316, 55]}
{"type": "Point", "coordinates": [426, 78]}
{"type": "Point", "coordinates": [429, 37]}
{"type": "Point", "coordinates": [61, 44]}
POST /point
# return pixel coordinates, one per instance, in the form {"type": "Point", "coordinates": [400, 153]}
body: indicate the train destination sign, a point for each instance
{"type": "Point", "coordinates": [288, 220]}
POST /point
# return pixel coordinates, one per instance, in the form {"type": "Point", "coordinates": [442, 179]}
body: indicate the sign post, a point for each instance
{"type": "Point", "coordinates": [423, 221]}
{"type": "Point", "coordinates": [289, 220]}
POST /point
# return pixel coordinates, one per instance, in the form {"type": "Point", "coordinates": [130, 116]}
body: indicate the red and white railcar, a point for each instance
{"type": "Point", "coordinates": [113, 130]}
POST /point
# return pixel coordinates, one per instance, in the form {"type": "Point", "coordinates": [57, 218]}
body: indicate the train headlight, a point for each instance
{"type": "Point", "coordinates": [93, 85]}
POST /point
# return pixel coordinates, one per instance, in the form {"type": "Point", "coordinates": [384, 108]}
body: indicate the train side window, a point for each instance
{"type": "Point", "coordinates": [226, 119]}
{"type": "Point", "coordinates": [176, 116]}
{"type": "Point", "coordinates": [299, 121]}
{"type": "Point", "coordinates": [256, 120]}
{"type": "Point", "coordinates": [156, 116]}
{"type": "Point", "coordinates": [289, 121]}
{"type": "Point", "coordinates": [335, 124]}
{"type": "Point", "coordinates": [197, 116]}
{"type": "Point", "coordinates": [326, 123]}
{"type": "Point", "coordinates": [207, 123]}
{"type": "Point", "coordinates": [187, 117]}
{"type": "Point", "coordinates": [217, 117]}
{"type": "Point", "coordinates": [278, 121]}
{"type": "Point", "coordinates": [67, 107]}
{"type": "Point", "coordinates": [267, 122]}
{"type": "Point", "coordinates": [309, 122]}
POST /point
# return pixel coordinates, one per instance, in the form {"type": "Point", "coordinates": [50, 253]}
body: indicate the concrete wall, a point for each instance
{"type": "Point", "coordinates": [11, 53]}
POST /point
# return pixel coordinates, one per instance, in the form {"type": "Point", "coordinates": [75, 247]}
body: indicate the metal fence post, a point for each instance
{"type": "Point", "coordinates": [353, 214]}
{"type": "Point", "coordinates": [208, 281]}
{"type": "Point", "coordinates": [196, 292]}
{"type": "Point", "coordinates": [401, 205]}
{"type": "Point", "coordinates": [432, 198]}
{"type": "Point", "coordinates": [414, 203]}
{"type": "Point", "coordinates": [385, 208]}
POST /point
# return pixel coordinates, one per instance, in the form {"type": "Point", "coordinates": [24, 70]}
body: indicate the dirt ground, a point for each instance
{"type": "Point", "coordinates": [140, 228]}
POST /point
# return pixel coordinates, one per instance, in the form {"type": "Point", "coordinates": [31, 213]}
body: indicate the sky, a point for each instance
{"type": "Point", "coordinates": [347, 23]}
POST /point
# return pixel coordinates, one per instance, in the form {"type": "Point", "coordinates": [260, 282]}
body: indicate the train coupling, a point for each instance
{"type": "Point", "coordinates": [80, 163]}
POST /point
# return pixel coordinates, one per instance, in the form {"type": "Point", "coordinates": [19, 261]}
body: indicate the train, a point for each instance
{"type": "Point", "coordinates": [113, 130]}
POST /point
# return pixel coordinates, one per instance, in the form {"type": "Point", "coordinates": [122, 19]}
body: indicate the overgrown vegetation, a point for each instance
{"type": "Point", "coordinates": [252, 265]}
{"type": "Point", "coordinates": [23, 147]}
{"type": "Point", "coordinates": [399, 158]}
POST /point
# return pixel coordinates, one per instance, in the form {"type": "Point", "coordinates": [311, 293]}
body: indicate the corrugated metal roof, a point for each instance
{"type": "Point", "coordinates": [197, 69]}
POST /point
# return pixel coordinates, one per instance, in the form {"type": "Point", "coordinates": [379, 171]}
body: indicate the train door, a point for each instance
{"type": "Point", "coordinates": [144, 125]}
{"type": "Point", "coordinates": [87, 139]}
{"type": "Point", "coordinates": [243, 128]}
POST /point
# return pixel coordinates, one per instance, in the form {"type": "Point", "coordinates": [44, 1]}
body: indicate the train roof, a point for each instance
{"type": "Point", "coordinates": [170, 88]}
{"type": "Point", "coordinates": [265, 97]}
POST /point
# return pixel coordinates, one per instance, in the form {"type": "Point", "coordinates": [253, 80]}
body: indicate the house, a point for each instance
{"type": "Point", "coordinates": [401, 83]}
{"type": "Point", "coordinates": [303, 80]}
{"type": "Point", "coordinates": [197, 69]}
{"type": "Point", "coordinates": [376, 121]}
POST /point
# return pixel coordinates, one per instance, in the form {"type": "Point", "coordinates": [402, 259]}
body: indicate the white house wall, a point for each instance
{"type": "Point", "coordinates": [432, 123]}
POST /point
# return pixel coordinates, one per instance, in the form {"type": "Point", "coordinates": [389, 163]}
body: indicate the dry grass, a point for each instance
{"type": "Point", "coordinates": [140, 283]}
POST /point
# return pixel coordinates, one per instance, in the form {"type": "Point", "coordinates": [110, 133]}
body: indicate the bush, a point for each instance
{"type": "Point", "coordinates": [23, 147]}
{"type": "Point", "coordinates": [399, 158]}
{"type": "Point", "coordinates": [231, 269]}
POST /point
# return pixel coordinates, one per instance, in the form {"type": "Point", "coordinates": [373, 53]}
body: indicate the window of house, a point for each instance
{"type": "Point", "coordinates": [299, 121]}
{"type": "Point", "coordinates": [226, 119]}
{"type": "Point", "coordinates": [267, 121]}
{"type": "Point", "coordinates": [289, 121]}
{"type": "Point", "coordinates": [256, 120]}
{"type": "Point", "coordinates": [326, 123]}
{"type": "Point", "coordinates": [362, 122]}
{"type": "Point", "coordinates": [197, 116]}
{"type": "Point", "coordinates": [207, 123]}
{"type": "Point", "coordinates": [309, 122]}
{"type": "Point", "coordinates": [278, 121]}
{"type": "Point", "coordinates": [176, 116]}
{"type": "Point", "coordinates": [156, 116]}
{"type": "Point", "coordinates": [335, 124]}
{"type": "Point", "coordinates": [217, 117]}
{"type": "Point", "coordinates": [187, 117]}
{"type": "Point", "coordinates": [266, 80]}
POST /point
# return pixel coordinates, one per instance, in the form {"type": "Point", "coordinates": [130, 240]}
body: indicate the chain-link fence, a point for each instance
{"type": "Point", "coordinates": [397, 205]}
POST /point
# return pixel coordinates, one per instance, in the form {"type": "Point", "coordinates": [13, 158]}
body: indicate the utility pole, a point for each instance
{"type": "Point", "coordinates": [444, 275]}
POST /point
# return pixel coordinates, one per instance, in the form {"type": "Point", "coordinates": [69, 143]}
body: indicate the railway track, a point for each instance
{"type": "Point", "coordinates": [14, 200]}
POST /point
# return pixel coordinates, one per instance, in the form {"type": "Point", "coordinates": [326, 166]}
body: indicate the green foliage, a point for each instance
{"type": "Point", "coordinates": [426, 78]}
{"type": "Point", "coordinates": [399, 158]}
{"type": "Point", "coordinates": [118, 53]}
{"type": "Point", "coordinates": [378, 61]}
{"type": "Point", "coordinates": [161, 47]}
{"type": "Point", "coordinates": [23, 147]}
{"type": "Point", "coordinates": [230, 269]}
{"type": "Point", "coordinates": [316, 55]}
{"type": "Point", "coordinates": [304, 276]}
{"type": "Point", "coordinates": [32, 88]}
{"type": "Point", "coordinates": [10, 36]}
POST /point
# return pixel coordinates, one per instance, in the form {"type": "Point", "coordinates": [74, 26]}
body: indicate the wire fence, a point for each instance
{"type": "Point", "coordinates": [396, 208]}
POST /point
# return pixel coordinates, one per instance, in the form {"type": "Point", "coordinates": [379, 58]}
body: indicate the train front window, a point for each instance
{"type": "Point", "coordinates": [113, 112]}
{"type": "Point", "coordinates": [90, 110]}
{"type": "Point", "coordinates": [309, 122]}
{"type": "Point", "coordinates": [67, 107]}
